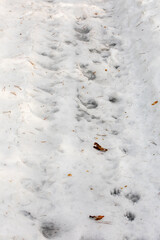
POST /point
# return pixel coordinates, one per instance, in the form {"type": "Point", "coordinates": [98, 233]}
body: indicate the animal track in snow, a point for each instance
{"type": "Point", "coordinates": [49, 230]}
{"type": "Point", "coordinates": [90, 75]}
{"type": "Point", "coordinates": [134, 197]}
{"type": "Point", "coordinates": [113, 99]}
{"type": "Point", "coordinates": [89, 104]}
{"type": "Point", "coordinates": [84, 115]}
{"type": "Point", "coordinates": [82, 37]}
{"type": "Point", "coordinates": [83, 30]}
{"type": "Point", "coordinates": [130, 216]}
{"type": "Point", "coordinates": [115, 192]}
{"type": "Point", "coordinates": [82, 33]}
{"type": "Point", "coordinates": [114, 132]}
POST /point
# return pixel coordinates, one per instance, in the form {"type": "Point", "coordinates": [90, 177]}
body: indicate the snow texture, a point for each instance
{"type": "Point", "coordinates": [74, 73]}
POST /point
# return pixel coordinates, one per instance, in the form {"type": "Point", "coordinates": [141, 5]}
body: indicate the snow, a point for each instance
{"type": "Point", "coordinates": [74, 73]}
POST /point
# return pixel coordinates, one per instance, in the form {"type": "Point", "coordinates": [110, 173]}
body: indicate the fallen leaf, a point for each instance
{"type": "Point", "coordinates": [17, 87]}
{"type": "Point", "coordinates": [69, 175]}
{"type": "Point", "coordinates": [43, 141]}
{"type": "Point", "coordinates": [31, 63]}
{"type": "Point", "coordinates": [13, 93]}
{"type": "Point", "coordinates": [105, 27]}
{"type": "Point", "coordinates": [91, 188]}
{"type": "Point", "coordinates": [97, 218]}
{"type": "Point", "coordinates": [96, 13]}
{"type": "Point", "coordinates": [98, 147]}
{"type": "Point", "coordinates": [106, 70]}
{"type": "Point", "coordinates": [125, 186]}
{"type": "Point", "coordinates": [155, 103]}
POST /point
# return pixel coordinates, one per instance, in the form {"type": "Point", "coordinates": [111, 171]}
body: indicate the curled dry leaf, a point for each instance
{"type": "Point", "coordinates": [69, 175]}
{"type": "Point", "coordinates": [155, 103]}
{"type": "Point", "coordinates": [98, 147]}
{"type": "Point", "coordinates": [97, 218]}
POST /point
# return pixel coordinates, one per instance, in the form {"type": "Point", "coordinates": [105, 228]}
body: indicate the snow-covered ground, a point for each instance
{"type": "Point", "coordinates": [73, 73]}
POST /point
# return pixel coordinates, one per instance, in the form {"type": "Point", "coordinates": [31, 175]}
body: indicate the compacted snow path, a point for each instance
{"type": "Point", "coordinates": [74, 73]}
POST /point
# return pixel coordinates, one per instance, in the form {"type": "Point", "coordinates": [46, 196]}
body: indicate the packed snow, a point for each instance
{"type": "Point", "coordinates": [75, 73]}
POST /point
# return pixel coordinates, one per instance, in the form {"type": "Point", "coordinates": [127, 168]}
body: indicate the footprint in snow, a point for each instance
{"type": "Point", "coordinates": [134, 197]}
{"type": "Point", "coordinates": [49, 230]}
{"type": "Point", "coordinates": [115, 192]}
{"type": "Point", "coordinates": [82, 33]}
{"type": "Point", "coordinates": [130, 216]}
{"type": "Point", "coordinates": [113, 99]}
{"type": "Point", "coordinates": [90, 104]}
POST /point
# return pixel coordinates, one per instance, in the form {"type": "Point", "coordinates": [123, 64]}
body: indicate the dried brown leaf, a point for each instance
{"type": "Point", "coordinates": [98, 147]}
{"type": "Point", "coordinates": [155, 103]}
{"type": "Point", "coordinates": [97, 218]}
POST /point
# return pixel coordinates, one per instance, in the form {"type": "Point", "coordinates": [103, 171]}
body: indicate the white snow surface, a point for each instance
{"type": "Point", "coordinates": [73, 73]}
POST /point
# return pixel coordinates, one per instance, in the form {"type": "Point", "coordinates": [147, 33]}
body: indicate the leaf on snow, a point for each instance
{"type": "Point", "coordinates": [13, 93]}
{"type": "Point", "coordinates": [155, 103]}
{"type": "Point", "coordinates": [17, 87]}
{"type": "Point", "coordinates": [98, 147]}
{"type": "Point", "coordinates": [97, 218]}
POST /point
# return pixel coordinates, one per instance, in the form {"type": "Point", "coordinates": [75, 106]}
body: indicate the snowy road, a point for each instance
{"type": "Point", "coordinates": [74, 73]}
